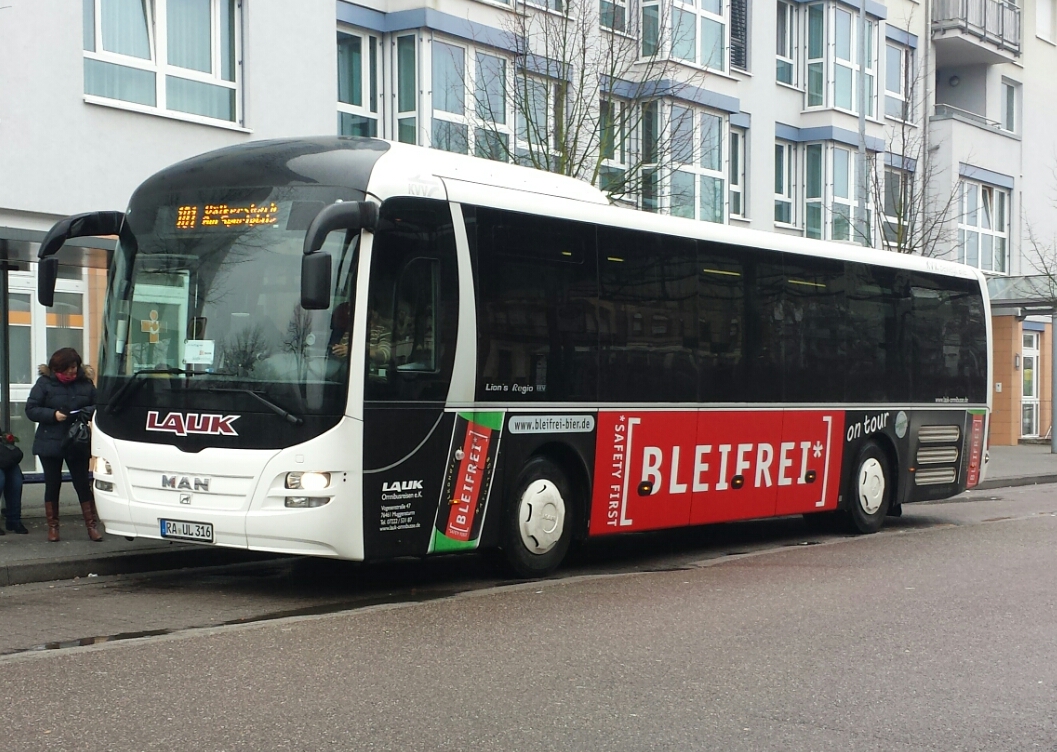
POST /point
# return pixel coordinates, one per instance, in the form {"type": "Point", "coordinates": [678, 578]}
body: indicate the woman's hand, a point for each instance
{"type": "Point", "coordinates": [60, 416]}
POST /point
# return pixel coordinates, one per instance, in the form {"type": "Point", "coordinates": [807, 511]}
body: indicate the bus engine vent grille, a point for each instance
{"type": "Point", "coordinates": [935, 477]}
{"type": "Point", "coordinates": [939, 434]}
{"type": "Point", "coordinates": [937, 455]}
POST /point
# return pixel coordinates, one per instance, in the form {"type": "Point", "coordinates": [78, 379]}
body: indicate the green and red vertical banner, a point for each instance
{"type": "Point", "coordinates": [468, 481]}
{"type": "Point", "coordinates": [977, 419]}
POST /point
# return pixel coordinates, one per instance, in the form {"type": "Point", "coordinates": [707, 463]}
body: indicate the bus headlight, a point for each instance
{"type": "Point", "coordinates": [308, 481]}
{"type": "Point", "coordinates": [100, 467]}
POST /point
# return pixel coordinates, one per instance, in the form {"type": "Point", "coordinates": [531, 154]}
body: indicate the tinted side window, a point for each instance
{"type": "Point", "coordinates": [947, 339]}
{"type": "Point", "coordinates": [811, 330]}
{"type": "Point", "coordinates": [876, 363]}
{"type": "Point", "coordinates": [413, 305]}
{"type": "Point", "coordinates": [721, 318]}
{"type": "Point", "coordinates": [537, 296]}
{"type": "Point", "coordinates": [647, 317]}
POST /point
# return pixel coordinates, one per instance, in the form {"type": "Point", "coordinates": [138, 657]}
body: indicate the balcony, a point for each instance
{"type": "Point", "coordinates": [975, 32]}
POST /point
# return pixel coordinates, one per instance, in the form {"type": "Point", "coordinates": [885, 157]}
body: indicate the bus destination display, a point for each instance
{"type": "Point", "coordinates": [223, 216]}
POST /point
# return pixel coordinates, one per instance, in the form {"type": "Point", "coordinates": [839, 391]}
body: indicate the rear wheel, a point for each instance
{"type": "Point", "coordinates": [538, 525]}
{"type": "Point", "coordinates": [870, 488]}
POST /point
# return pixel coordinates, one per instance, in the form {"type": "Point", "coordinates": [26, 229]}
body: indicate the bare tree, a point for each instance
{"type": "Point", "coordinates": [917, 214]}
{"type": "Point", "coordinates": [585, 93]}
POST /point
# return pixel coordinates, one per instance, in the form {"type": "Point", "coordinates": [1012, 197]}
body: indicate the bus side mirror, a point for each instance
{"type": "Point", "coordinates": [348, 215]}
{"type": "Point", "coordinates": [47, 273]}
{"type": "Point", "coordinates": [315, 282]}
{"type": "Point", "coordinates": [92, 224]}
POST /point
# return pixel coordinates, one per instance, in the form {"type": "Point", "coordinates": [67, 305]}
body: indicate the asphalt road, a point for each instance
{"type": "Point", "coordinates": [940, 633]}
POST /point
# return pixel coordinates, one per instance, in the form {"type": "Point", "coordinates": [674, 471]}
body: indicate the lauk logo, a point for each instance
{"type": "Point", "coordinates": [182, 424]}
{"type": "Point", "coordinates": [402, 485]}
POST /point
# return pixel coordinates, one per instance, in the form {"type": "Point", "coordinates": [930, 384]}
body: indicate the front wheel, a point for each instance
{"type": "Point", "coordinates": [870, 488]}
{"type": "Point", "coordinates": [538, 526]}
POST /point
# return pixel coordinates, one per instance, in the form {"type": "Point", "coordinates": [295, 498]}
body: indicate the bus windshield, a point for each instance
{"type": "Point", "coordinates": [207, 283]}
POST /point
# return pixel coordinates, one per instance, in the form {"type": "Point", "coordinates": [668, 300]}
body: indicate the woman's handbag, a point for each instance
{"type": "Point", "coordinates": [10, 454]}
{"type": "Point", "coordinates": [78, 437]}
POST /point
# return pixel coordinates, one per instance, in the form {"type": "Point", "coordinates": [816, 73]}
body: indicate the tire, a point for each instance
{"type": "Point", "coordinates": [539, 520]}
{"type": "Point", "coordinates": [870, 490]}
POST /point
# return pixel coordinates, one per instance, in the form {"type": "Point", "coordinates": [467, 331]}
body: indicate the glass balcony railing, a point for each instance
{"type": "Point", "coordinates": [994, 21]}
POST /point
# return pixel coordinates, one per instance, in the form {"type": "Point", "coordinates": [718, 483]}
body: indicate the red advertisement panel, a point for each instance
{"type": "Point", "coordinates": [665, 469]}
{"type": "Point", "coordinates": [469, 479]}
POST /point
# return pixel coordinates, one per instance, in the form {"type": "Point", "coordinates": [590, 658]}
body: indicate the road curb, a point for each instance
{"type": "Point", "coordinates": [1028, 480]}
{"type": "Point", "coordinates": [133, 562]}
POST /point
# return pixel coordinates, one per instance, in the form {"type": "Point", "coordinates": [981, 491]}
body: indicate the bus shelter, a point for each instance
{"type": "Point", "coordinates": [18, 254]}
{"type": "Point", "coordinates": [1030, 296]}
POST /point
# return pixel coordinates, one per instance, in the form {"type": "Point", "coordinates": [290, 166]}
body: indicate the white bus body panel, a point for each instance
{"type": "Point", "coordinates": [245, 500]}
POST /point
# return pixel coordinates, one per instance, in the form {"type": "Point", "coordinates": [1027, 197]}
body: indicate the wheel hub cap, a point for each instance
{"type": "Point", "coordinates": [541, 516]}
{"type": "Point", "coordinates": [871, 486]}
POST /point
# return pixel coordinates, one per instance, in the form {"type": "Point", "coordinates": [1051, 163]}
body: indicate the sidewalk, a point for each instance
{"type": "Point", "coordinates": [30, 558]}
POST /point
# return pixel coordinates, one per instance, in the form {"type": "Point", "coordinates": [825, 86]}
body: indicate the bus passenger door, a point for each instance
{"type": "Point", "coordinates": [734, 465]}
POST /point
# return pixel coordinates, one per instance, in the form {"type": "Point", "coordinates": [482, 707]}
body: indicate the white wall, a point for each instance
{"type": "Point", "coordinates": [60, 155]}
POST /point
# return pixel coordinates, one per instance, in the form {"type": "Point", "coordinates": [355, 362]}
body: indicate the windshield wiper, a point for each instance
{"type": "Point", "coordinates": [287, 416]}
{"type": "Point", "coordinates": [134, 383]}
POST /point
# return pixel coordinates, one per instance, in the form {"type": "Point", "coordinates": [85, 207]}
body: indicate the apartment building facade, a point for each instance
{"type": "Point", "coordinates": [923, 127]}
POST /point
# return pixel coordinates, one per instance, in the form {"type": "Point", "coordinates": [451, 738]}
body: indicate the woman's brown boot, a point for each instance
{"type": "Point", "coordinates": [51, 511]}
{"type": "Point", "coordinates": [89, 521]}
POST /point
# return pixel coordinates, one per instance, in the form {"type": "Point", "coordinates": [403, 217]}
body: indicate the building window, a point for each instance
{"type": "Point", "coordinates": [1029, 369]}
{"type": "Point", "coordinates": [450, 129]}
{"type": "Point", "coordinates": [612, 14]}
{"type": "Point", "coordinates": [737, 172]}
{"type": "Point", "coordinates": [1044, 17]}
{"type": "Point", "coordinates": [830, 194]}
{"type": "Point", "coordinates": [739, 34]}
{"type": "Point", "coordinates": [357, 84]}
{"type": "Point", "coordinates": [784, 178]}
{"type": "Point", "coordinates": [898, 84]}
{"type": "Point", "coordinates": [697, 189]}
{"type": "Point", "coordinates": [833, 59]}
{"type": "Point", "coordinates": [177, 56]}
{"type": "Point", "coordinates": [983, 229]}
{"type": "Point", "coordinates": [406, 91]}
{"type": "Point", "coordinates": [491, 133]}
{"type": "Point", "coordinates": [20, 338]}
{"type": "Point", "coordinates": [650, 147]}
{"type": "Point", "coordinates": [613, 143]}
{"type": "Point", "coordinates": [1009, 105]}
{"type": "Point", "coordinates": [538, 123]}
{"type": "Point", "coordinates": [896, 225]}
{"type": "Point", "coordinates": [785, 45]}
{"type": "Point", "coordinates": [698, 32]}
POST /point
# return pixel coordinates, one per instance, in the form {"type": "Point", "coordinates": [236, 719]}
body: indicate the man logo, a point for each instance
{"type": "Point", "coordinates": [184, 483]}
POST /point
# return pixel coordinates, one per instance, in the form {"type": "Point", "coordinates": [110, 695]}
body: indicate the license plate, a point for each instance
{"type": "Point", "coordinates": [183, 530]}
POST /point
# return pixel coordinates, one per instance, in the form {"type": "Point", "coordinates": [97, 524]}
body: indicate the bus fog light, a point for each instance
{"type": "Point", "coordinates": [305, 502]}
{"type": "Point", "coordinates": [102, 485]}
{"type": "Point", "coordinates": [308, 481]}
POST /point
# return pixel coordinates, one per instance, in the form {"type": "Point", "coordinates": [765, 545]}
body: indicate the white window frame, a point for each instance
{"type": "Point", "coordinates": [700, 166]}
{"type": "Point", "coordinates": [369, 109]}
{"type": "Point", "coordinates": [836, 206]}
{"type": "Point", "coordinates": [530, 148]}
{"type": "Point", "coordinates": [833, 60]}
{"type": "Point", "coordinates": [983, 226]}
{"type": "Point", "coordinates": [405, 123]}
{"type": "Point", "coordinates": [785, 44]}
{"type": "Point", "coordinates": [1010, 104]}
{"type": "Point", "coordinates": [157, 63]}
{"type": "Point", "coordinates": [1029, 398]}
{"type": "Point", "coordinates": [737, 173]}
{"type": "Point", "coordinates": [785, 180]}
{"type": "Point", "coordinates": [904, 185]}
{"type": "Point", "coordinates": [702, 15]}
{"type": "Point", "coordinates": [898, 91]}
{"type": "Point", "coordinates": [614, 141]}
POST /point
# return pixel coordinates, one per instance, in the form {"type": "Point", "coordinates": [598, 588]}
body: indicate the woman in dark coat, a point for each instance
{"type": "Point", "coordinates": [62, 391]}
